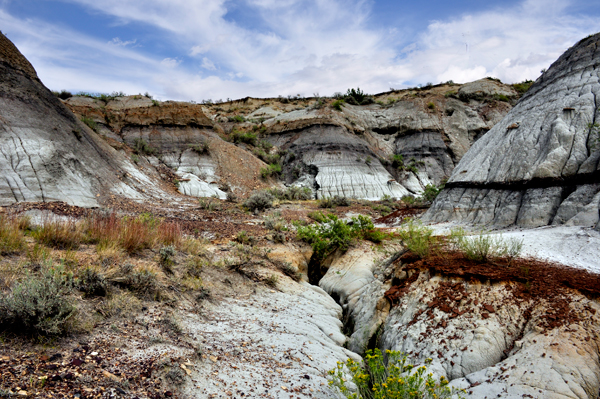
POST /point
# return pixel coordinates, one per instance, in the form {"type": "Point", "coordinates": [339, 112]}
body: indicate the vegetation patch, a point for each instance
{"type": "Point", "coordinates": [331, 233]}
{"type": "Point", "coordinates": [389, 378]}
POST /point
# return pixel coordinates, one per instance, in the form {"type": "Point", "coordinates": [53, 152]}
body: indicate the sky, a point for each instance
{"type": "Point", "coordinates": [195, 50]}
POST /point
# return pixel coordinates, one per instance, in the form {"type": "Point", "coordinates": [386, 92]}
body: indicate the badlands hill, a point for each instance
{"type": "Point", "coordinates": [159, 295]}
{"type": "Point", "coordinates": [539, 165]}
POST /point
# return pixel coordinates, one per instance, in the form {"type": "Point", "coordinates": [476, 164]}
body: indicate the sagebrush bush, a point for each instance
{"type": "Point", "coordinates": [259, 201]}
{"type": "Point", "coordinates": [92, 283]}
{"type": "Point", "coordinates": [144, 284]}
{"type": "Point", "coordinates": [40, 304]}
{"type": "Point", "coordinates": [377, 378]}
{"type": "Point", "coordinates": [166, 255]}
{"type": "Point", "coordinates": [273, 169]}
{"type": "Point", "coordinates": [291, 193]}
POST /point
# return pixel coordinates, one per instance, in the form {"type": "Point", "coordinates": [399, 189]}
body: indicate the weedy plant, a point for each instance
{"type": "Point", "coordinates": [397, 378]}
{"type": "Point", "coordinates": [485, 248]}
{"type": "Point", "coordinates": [12, 240]}
{"type": "Point", "coordinates": [418, 238]}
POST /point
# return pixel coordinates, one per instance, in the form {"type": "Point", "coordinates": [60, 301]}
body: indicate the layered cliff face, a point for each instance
{"type": "Point", "coordinates": [346, 151]}
{"type": "Point", "coordinates": [47, 154]}
{"type": "Point", "coordinates": [539, 165]}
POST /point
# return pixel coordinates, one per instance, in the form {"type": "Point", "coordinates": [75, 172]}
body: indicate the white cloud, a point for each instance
{"type": "Point", "coordinates": [170, 62]}
{"type": "Point", "coordinates": [208, 64]}
{"type": "Point", "coordinates": [118, 42]}
{"type": "Point", "coordinates": [298, 46]}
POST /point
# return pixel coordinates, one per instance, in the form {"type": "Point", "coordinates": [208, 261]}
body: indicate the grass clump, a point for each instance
{"type": "Point", "coordinates": [259, 201]}
{"type": "Point", "coordinates": [419, 239]}
{"type": "Point", "coordinates": [486, 248]}
{"type": "Point", "coordinates": [89, 122]}
{"type": "Point", "coordinates": [59, 234]}
{"type": "Point", "coordinates": [40, 304]}
{"type": "Point", "coordinates": [332, 233]}
{"type": "Point", "coordinates": [431, 105]}
{"type": "Point", "coordinates": [12, 240]}
{"type": "Point", "coordinates": [209, 204]}
{"type": "Point", "coordinates": [397, 378]}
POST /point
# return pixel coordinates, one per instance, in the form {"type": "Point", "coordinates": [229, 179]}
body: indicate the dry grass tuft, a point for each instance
{"type": "Point", "coordinates": [12, 240]}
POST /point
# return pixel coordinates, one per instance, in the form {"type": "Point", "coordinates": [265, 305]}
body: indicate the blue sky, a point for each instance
{"type": "Point", "coordinates": [219, 49]}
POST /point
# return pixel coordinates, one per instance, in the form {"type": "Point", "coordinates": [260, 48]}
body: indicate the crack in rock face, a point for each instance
{"type": "Point", "coordinates": [539, 165]}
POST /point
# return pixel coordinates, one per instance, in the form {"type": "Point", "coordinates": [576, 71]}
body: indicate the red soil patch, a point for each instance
{"type": "Point", "coordinates": [399, 215]}
{"type": "Point", "coordinates": [534, 280]}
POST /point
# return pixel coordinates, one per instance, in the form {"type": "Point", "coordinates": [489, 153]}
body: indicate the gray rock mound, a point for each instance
{"type": "Point", "coordinates": [539, 165]}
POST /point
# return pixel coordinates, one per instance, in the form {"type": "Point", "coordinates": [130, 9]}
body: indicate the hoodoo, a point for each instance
{"type": "Point", "coordinates": [539, 165]}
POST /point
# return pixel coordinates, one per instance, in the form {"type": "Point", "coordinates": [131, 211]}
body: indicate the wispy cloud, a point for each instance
{"type": "Point", "coordinates": [294, 47]}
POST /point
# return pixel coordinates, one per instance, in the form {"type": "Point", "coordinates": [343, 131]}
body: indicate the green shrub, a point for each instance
{"type": "Point", "coordinates": [431, 105]}
{"type": "Point", "coordinates": [141, 146]}
{"type": "Point", "coordinates": [397, 378]}
{"type": "Point", "coordinates": [451, 93]}
{"type": "Point", "coordinates": [241, 137]}
{"type": "Point", "coordinates": [271, 170]}
{"type": "Point", "coordinates": [430, 193]}
{"type": "Point", "coordinates": [337, 200]}
{"type": "Point", "coordinates": [332, 233]}
{"type": "Point", "coordinates": [337, 104]}
{"type": "Point", "coordinates": [418, 239]}
{"type": "Point", "coordinates": [166, 255]}
{"type": "Point", "coordinates": [39, 304]}
{"type": "Point", "coordinates": [63, 94]}
{"type": "Point", "coordinates": [244, 238]}
{"type": "Point", "coordinates": [236, 118]}
{"type": "Point", "coordinates": [522, 87]}
{"type": "Point", "coordinates": [259, 201]}
{"type": "Point", "coordinates": [398, 161]}
{"type": "Point", "coordinates": [144, 284]}
{"type": "Point", "coordinates": [12, 240]}
{"type": "Point", "coordinates": [501, 97]}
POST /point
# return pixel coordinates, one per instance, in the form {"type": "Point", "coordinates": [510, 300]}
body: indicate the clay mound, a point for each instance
{"type": "Point", "coordinates": [539, 165]}
{"type": "Point", "coordinates": [47, 154]}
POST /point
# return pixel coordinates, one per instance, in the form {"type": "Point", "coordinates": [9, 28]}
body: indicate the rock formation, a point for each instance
{"type": "Point", "coordinates": [47, 154]}
{"type": "Point", "coordinates": [539, 165]}
{"type": "Point", "coordinates": [344, 152]}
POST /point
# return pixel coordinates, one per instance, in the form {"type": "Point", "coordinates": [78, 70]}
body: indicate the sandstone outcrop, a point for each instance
{"type": "Point", "coordinates": [539, 165]}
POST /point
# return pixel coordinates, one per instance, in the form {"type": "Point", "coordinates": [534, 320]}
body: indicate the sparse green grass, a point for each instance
{"type": "Point", "coordinates": [243, 137]}
{"type": "Point", "coordinates": [90, 122]}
